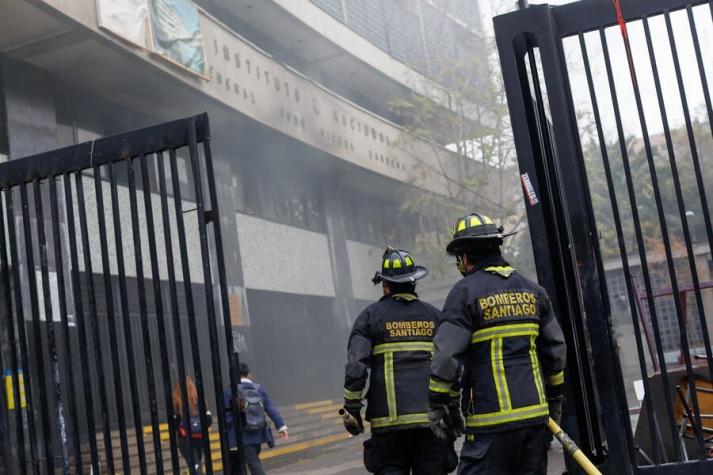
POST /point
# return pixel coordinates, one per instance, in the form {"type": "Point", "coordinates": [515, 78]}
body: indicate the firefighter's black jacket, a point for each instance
{"type": "Point", "coordinates": [392, 339]}
{"type": "Point", "coordinates": [501, 326]}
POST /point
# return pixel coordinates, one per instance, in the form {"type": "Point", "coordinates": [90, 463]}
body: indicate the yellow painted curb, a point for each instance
{"type": "Point", "coordinates": [298, 447]}
{"type": "Point", "coordinates": [310, 405]}
{"type": "Point", "coordinates": [332, 408]}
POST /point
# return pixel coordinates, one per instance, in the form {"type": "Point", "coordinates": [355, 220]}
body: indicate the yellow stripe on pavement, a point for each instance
{"type": "Point", "coordinates": [310, 405]}
{"type": "Point", "coordinates": [299, 446]}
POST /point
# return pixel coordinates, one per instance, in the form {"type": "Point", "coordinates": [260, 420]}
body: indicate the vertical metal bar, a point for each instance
{"type": "Point", "coordinates": [14, 375]}
{"type": "Point", "coordinates": [94, 322]}
{"type": "Point", "coordinates": [681, 205]}
{"type": "Point", "coordinates": [580, 343]}
{"type": "Point", "coordinates": [80, 323]}
{"type": "Point", "coordinates": [189, 308]}
{"type": "Point", "coordinates": [639, 240]}
{"type": "Point", "coordinates": [34, 306]}
{"type": "Point", "coordinates": [8, 450]}
{"type": "Point", "coordinates": [148, 357]}
{"type": "Point", "coordinates": [160, 316]}
{"type": "Point", "coordinates": [49, 320]}
{"type": "Point", "coordinates": [5, 416]}
{"type": "Point", "coordinates": [173, 291]}
{"type": "Point", "coordinates": [234, 362]}
{"type": "Point", "coordinates": [111, 320]}
{"type": "Point", "coordinates": [126, 317]}
{"type": "Point", "coordinates": [202, 217]}
{"type": "Point", "coordinates": [24, 353]}
{"type": "Point", "coordinates": [701, 66]}
{"type": "Point", "coordinates": [666, 239]}
{"type": "Point", "coordinates": [640, 311]}
{"type": "Point", "coordinates": [59, 267]}
{"type": "Point", "coordinates": [621, 243]}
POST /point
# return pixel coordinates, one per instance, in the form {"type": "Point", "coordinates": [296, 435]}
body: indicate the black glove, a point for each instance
{"type": "Point", "coordinates": [439, 420]}
{"type": "Point", "coordinates": [555, 404]}
{"type": "Point", "coordinates": [351, 417]}
{"type": "Point", "coordinates": [456, 417]}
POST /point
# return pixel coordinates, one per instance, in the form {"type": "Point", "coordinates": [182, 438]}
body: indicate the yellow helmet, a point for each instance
{"type": "Point", "coordinates": [474, 227]}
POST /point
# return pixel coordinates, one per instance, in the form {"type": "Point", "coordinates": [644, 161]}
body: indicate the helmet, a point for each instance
{"type": "Point", "coordinates": [398, 266]}
{"type": "Point", "coordinates": [473, 228]}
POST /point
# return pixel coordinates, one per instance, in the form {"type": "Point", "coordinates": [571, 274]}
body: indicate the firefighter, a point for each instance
{"type": "Point", "coordinates": [391, 343]}
{"type": "Point", "coordinates": [501, 327]}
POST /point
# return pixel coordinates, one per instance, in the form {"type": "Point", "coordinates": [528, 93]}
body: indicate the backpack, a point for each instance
{"type": "Point", "coordinates": [196, 428]}
{"type": "Point", "coordinates": [252, 407]}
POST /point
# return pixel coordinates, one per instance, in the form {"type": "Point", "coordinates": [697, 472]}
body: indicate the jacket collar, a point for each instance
{"type": "Point", "coordinates": [489, 261]}
{"type": "Point", "coordinates": [401, 297]}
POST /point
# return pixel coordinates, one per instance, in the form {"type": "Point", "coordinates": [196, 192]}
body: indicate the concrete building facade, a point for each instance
{"type": "Point", "coordinates": [311, 179]}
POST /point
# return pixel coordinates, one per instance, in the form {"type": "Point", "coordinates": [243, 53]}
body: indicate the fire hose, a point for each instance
{"type": "Point", "coordinates": [572, 449]}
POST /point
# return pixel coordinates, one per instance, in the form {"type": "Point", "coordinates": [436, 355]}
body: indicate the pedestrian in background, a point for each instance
{"type": "Point", "coordinates": [255, 406]}
{"type": "Point", "coordinates": [188, 427]}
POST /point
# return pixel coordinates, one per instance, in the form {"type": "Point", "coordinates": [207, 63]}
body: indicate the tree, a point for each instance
{"type": "Point", "coordinates": [644, 190]}
{"type": "Point", "coordinates": [481, 173]}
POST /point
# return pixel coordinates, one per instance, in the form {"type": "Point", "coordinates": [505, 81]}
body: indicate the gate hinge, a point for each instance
{"type": "Point", "coordinates": [209, 215]}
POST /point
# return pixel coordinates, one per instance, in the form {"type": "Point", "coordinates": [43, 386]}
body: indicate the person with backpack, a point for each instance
{"type": "Point", "coordinates": [189, 428]}
{"type": "Point", "coordinates": [255, 406]}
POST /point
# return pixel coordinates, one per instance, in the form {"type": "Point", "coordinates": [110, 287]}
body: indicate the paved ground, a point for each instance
{"type": "Point", "coordinates": [345, 459]}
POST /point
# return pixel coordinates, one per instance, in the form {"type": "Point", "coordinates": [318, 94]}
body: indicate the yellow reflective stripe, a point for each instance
{"type": "Point", "coordinates": [461, 226]}
{"type": "Point", "coordinates": [408, 297]}
{"type": "Point", "coordinates": [389, 383]}
{"type": "Point", "coordinates": [409, 261]}
{"type": "Point", "coordinates": [503, 331]}
{"type": "Point", "coordinates": [556, 379]}
{"type": "Point", "coordinates": [501, 417]}
{"type": "Point", "coordinates": [536, 370]}
{"type": "Point", "coordinates": [501, 385]}
{"type": "Point", "coordinates": [349, 394]}
{"type": "Point", "coordinates": [475, 221]}
{"type": "Point", "coordinates": [402, 346]}
{"type": "Point", "coordinates": [439, 386]}
{"type": "Point", "coordinates": [453, 393]}
{"type": "Point", "coordinates": [421, 418]}
{"type": "Point", "coordinates": [396, 263]}
{"type": "Point", "coordinates": [487, 220]}
{"type": "Point", "coordinates": [505, 271]}
{"type": "Point", "coordinates": [387, 263]}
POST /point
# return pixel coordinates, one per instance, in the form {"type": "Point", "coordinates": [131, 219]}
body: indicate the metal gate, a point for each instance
{"type": "Point", "coordinates": [612, 118]}
{"type": "Point", "coordinates": [114, 293]}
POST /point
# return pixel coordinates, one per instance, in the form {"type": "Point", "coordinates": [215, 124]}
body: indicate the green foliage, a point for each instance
{"type": "Point", "coordinates": [472, 120]}
{"type": "Point", "coordinates": [643, 189]}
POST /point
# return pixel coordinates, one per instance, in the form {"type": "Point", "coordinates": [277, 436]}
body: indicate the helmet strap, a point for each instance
{"type": "Point", "coordinates": [460, 265]}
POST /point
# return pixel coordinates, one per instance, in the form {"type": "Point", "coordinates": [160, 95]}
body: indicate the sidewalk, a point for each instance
{"type": "Point", "coordinates": [345, 458]}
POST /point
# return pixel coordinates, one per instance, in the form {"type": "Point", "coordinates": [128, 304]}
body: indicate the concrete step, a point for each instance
{"type": "Point", "coordinates": [312, 424]}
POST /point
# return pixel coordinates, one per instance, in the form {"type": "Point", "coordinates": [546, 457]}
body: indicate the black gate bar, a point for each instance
{"type": "Point", "coordinates": [80, 321]}
{"type": "Point", "coordinates": [158, 302]}
{"type": "Point", "coordinates": [44, 352]}
{"type": "Point", "coordinates": [560, 212]}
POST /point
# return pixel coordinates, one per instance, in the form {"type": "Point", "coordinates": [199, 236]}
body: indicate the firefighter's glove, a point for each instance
{"type": "Point", "coordinates": [555, 404]}
{"type": "Point", "coordinates": [440, 421]}
{"type": "Point", "coordinates": [352, 419]}
{"type": "Point", "coordinates": [456, 417]}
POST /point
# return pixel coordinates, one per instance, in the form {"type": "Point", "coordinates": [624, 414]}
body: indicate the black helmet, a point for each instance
{"type": "Point", "coordinates": [398, 266]}
{"type": "Point", "coordinates": [473, 228]}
